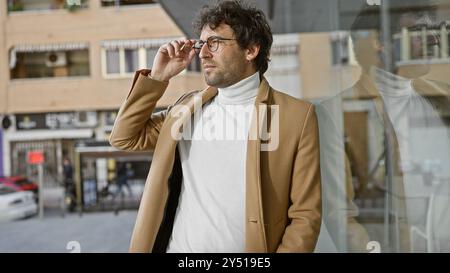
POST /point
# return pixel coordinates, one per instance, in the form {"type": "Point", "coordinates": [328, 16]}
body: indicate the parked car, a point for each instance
{"type": "Point", "coordinates": [16, 204]}
{"type": "Point", "coordinates": [20, 183]}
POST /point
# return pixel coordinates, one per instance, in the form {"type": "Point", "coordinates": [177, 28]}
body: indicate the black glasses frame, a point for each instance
{"type": "Point", "coordinates": [212, 43]}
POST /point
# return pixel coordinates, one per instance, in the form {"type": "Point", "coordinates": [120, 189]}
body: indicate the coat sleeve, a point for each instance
{"type": "Point", "coordinates": [136, 128]}
{"type": "Point", "coordinates": [306, 202]}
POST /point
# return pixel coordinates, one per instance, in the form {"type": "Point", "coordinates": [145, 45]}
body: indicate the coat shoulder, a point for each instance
{"type": "Point", "coordinates": [183, 98]}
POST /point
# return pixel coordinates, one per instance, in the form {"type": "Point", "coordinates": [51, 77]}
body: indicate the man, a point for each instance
{"type": "Point", "coordinates": [69, 185]}
{"type": "Point", "coordinates": [122, 178]}
{"type": "Point", "coordinates": [376, 135]}
{"type": "Point", "coordinates": [68, 172]}
{"type": "Point", "coordinates": [210, 193]}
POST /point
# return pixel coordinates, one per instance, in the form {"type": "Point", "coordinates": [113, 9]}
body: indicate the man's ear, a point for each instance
{"type": "Point", "coordinates": [251, 52]}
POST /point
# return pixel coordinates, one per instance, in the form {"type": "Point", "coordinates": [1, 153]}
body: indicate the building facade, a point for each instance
{"type": "Point", "coordinates": [66, 70]}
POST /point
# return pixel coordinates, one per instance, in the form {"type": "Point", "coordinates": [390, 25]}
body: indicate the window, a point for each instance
{"type": "Point", "coordinates": [6, 190]}
{"type": "Point", "coordinates": [37, 5]}
{"type": "Point", "coordinates": [339, 56]}
{"type": "Point", "coordinates": [121, 58]}
{"type": "Point", "coordinates": [341, 49]}
{"type": "Point", "coordinates": [284, 64]}
{"type": "Point", "coordinates": [131, 60]}
{"type": "Point", "coordinates": [48, 63]}
{"type": "Point", "coordinates": [423, 42]}
{"type": "Point", "coordinates": [122, 61]}
{"type": "Point", "coordinates": [112, 61]}
{"type": "Point", "coordinates": [151, 53]}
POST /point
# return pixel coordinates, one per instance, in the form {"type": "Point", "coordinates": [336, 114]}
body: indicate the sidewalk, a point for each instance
{"type": "Point", "coordinates": [95, 232]}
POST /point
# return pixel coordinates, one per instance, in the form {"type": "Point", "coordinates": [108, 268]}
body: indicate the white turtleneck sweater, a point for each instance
{"type": "Point", "coordinates": [211, 209]}
{"type": "Point", "coordinates": [421, 134]}
{"type": "Point", "coordinates": [399, 97]}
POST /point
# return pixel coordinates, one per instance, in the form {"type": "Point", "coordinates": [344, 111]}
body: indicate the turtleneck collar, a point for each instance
{"type": "Point", "coordinates": [389, 84]}
{"type": "Point", "coordinates": [242, 92]}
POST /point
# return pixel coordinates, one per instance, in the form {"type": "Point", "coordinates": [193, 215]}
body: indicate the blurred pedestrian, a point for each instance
{"type": "Point", "coordinates": [122, 179]}
{"type": "Point", "coordinates": [68, 174]}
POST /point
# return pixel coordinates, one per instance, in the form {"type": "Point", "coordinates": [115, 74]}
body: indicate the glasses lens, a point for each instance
{"type": "Point", "coordinates": [213, 44]}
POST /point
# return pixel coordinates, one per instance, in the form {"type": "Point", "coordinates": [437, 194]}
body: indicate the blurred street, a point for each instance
{"type": "Point", "coordinates": [95, 232]}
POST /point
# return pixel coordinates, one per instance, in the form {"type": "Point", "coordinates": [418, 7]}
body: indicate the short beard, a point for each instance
{"type": "Point", "coordinates": [221, 80]}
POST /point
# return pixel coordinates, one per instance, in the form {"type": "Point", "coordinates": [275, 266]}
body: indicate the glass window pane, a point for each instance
{"type": "Point", "coordinates": [383, 128]}
{"type": "Point", "coordinates": [151, 53]}
{"type": "Point", "coordinates": [78, 62]}
{"type": "Point", "coordinates": [51, 64]}
{"type": "Point", "coordinates": [131, 60]}
{"type": "Point", "coordinates": [112, 61]}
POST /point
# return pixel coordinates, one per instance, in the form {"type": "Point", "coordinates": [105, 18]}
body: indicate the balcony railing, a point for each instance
{"type": "Point", "coordinates": [108, 3]}
{"type": "Point", "coordinates": [45, 5]}
{"type": "Point", "coordinates": [47, 61]}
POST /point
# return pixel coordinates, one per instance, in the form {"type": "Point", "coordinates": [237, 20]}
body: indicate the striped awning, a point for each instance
{"type": "Point", "coordinates": [285, 44]}
{"type": "Point", "coordinates": [138, 43]}
{"type": "Point", "coordinates": [50, 47]}
{"type": "Point", "coordinates": [44, 48]}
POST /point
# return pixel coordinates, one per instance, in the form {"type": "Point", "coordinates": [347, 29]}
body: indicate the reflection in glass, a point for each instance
{"type": "Point", "coordinates": [385, 145]}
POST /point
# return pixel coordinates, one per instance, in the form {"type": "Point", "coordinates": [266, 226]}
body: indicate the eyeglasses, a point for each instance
{"type": "Point", "coordinates": [212, 43]}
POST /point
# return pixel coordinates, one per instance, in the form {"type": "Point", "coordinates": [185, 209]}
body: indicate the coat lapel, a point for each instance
{"type": "Point", "coordinates": [254, 228]}
{"type": "Point", "coordinates": [156, 192]}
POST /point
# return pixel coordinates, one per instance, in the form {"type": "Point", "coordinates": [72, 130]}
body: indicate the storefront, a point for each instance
{"type": "Point", "coordinates": [96, 171]}
{"type": "Point", "coordinates": [53, 133]}
{"type": "Point", "coordinates": [81, 137]}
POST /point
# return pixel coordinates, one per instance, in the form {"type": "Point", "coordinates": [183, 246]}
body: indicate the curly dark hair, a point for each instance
{"type": "Point", "coordinates": [248, 23]}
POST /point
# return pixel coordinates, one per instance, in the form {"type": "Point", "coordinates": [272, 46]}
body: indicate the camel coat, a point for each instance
{"type": "Point", "coordinates": [283, 190]}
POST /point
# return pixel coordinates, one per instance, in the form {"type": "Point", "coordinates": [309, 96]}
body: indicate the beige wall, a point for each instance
{"type": "Point", "coordinates": [319, 77]}
{"type": "Point", "coordinates": [313, 58]}
{"type": "Point", "coordinates": [92, 25]}
{"type": "Point", "coordinates": [439, 72]}
{"type": "Point", "coordinates": [45, 95]}
{"type": "Point", "coordinates": [3, 56]}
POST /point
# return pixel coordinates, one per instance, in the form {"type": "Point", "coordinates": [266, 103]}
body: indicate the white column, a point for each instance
{"type": "Point", "coordinates": [7, 146]}
{"type": "Point", "coordinates": [59, 158]}
{"type": "Point", "coordinates": [444, 41]}
{"type": "Point", "coordinates": [405, 45]}
{"type": "Point", "coordinates": [424, 42]}
{"type": "Point", "coordinates": [6, 155]}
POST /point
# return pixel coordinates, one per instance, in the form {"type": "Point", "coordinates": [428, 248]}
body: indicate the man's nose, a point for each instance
{"type": "Point", "coordinates": [204, 52]}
